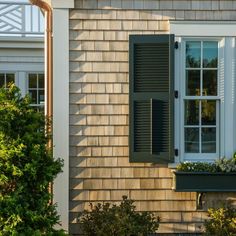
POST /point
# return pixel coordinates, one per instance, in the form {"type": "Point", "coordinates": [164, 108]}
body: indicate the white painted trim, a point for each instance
{"type": "Point", "coordinates": [61, 110]}
{"type": "Point", "coordinates": [203, 28]}
{"type": "Point", "coordinates": [177, 112]}
{"type": "Point", "coordinates": [61, 3]}
{"type": "Point", "coordinates": [222, 95]}
{"type": "Point", "coordinates": [23, 67]}
{"type": "Point", "coordinates": [234, 89]}
{"type": "Point", "coordinates": [229, 76]}
{"type": "Point", "coordinates": [16, 42]}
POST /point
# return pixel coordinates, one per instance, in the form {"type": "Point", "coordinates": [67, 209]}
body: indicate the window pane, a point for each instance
{"type": "Point", "coordinates": [32, 80]}
{"type": "Point", "coordinates": [192, 140]}
{"type": "Point", "coordinates": [40, 109]}
{"type": "Point", "coordinates": [2, 80]}
{"type": "Point", "coordinates": [208, 112]}
{"type": "Point", "coordinates": [191, 112]}
{"type": "Point", "coordinates": [10, 78]}
{"type": "Point", "coordinates": [33, 96]}
{"type": "Point", "coordinates": [41, 97]}
{"type": "Point", "coordinates": [41, 80]}
{"type": "Point", "coordinates": [209, 83]}
{"type": "Point", "coordinates": [193, 82]}
{"type": "Point", "coordinates": [210, 54]}
{"type": "Point", "coordinates": [193, 54]}
{"type": "Point", "coordinates": [209, 140]}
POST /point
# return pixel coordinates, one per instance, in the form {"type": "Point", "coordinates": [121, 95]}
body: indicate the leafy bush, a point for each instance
{"type": "Point", "coordinates": [117, 220]}
{"type": "Point", "coordinates": [222, 222]}
{"type": "Point", "coordinates": [220, 165]}
{"type": "Point", "coordinates": [227, 165]}
{"type": "Point", "coordinates": [26, 169]}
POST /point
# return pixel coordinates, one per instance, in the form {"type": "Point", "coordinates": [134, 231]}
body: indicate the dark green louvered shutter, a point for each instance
{"type": "Point", "coordinates": [151, 98]}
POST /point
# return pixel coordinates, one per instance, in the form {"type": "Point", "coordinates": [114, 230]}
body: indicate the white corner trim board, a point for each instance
{"type": "Point", "coordinates": [203, 28]}
{"type": "Point", "coordinates": [61, 110]}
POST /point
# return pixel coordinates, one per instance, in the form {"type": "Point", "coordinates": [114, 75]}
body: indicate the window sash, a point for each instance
{"type": "Point", "coordinates": [36, 89]}
{"type": "Point", "coordinates": [199, 156]}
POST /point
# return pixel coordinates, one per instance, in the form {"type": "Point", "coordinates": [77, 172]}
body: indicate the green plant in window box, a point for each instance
{"type": "Point", "coordinates": [219, 176]}
{"type": "Point", "coordinates": [221, 165]}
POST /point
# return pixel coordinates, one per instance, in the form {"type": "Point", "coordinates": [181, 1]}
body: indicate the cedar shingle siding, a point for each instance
{"type": "Point", "coordinates": [99, 154]}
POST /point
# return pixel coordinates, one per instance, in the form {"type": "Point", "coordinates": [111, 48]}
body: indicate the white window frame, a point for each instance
{"type": "Point", "coordinates": [37, 105]}
{"type": "Point", "coordinates": [224, 33]}
{"type": "Point", "coordinates": [219, 105]}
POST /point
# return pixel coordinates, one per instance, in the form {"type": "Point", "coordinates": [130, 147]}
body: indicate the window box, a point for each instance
{"type": "Point", "coordinates": [204, 182]}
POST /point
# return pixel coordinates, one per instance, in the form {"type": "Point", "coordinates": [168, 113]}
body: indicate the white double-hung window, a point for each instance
{"type": "Point", "coordinates": [205, 110]}
{"type": "Point", "coordinates": [201, 101]}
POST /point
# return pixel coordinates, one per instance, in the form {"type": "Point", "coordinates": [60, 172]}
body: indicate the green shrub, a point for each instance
{"type": "Point", "coordinates": [26, 169]}
{"type": "Point", "coordinates": [117, 220]}
{"type": "Point", "coordinates": [222, 222]}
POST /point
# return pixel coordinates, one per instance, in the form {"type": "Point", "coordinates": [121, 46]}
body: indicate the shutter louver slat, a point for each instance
{"type": "Point", "coordinates": [151, 101]}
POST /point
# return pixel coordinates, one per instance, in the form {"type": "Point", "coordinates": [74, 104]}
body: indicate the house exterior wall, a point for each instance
{"type": "Point", "coordinates": [99, 161]}
{"type": "Point", "coordinates": [21, 56]}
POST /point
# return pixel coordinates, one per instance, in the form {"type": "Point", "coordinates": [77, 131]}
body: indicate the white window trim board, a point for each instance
{"type": "Point", "coordinates": [203, 28]}
{"type": "Point", "coordinates": [229, 98]}
{"type": "Point", "coordinates": [222, 31]}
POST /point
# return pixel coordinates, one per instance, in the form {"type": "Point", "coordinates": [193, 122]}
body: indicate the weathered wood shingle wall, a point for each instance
{"type": "Point", "coordinates": [99, 162]}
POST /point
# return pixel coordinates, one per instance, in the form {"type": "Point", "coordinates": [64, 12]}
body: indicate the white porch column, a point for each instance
{"type": "Point", "coordinates": [61, 103]}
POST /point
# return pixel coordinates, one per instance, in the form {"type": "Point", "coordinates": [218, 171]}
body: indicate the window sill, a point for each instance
{"type": "Point", "coordinates": [173, 166]}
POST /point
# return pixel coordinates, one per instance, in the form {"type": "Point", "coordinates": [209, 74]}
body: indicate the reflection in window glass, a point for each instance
{"type": "Point", "coordinates": [210, 54]}
{"type": "Point", "coordinates": [191, 112]}
{"type": "Point", "coordinates": [192, 140]}
{"type": "Point", "coordinates": [193, 82]}
{"type": "Point", "coordinates": [193, 54]}
{"type": "Point", "coordinates": [208, 112]}
{"type": "Point", "coordinates": [6, 79]}
{"type": "Point", "coordinates": [209, 83]}
{"type": "Point", "coordinates": [2, 80]}
{"type": "Point", "coordinates": [10, 78]}
{"type": "Point", "coordinates": [41, 97]}
{"type": "Point", "coordinates": [209, 140]}
{"type": "Point", "coordinates": [41, 80]}
{"type": "Point", "coordinates": [32, 81]}
{"type": "Point", "coordinates": [33, 96]}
